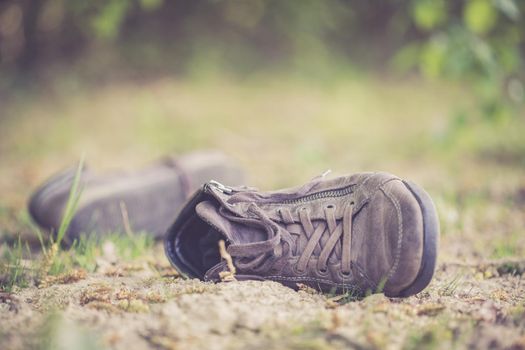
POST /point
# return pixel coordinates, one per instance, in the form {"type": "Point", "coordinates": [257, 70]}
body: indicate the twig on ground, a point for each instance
{"type": "Point", "coordinates": [125, 219]}
{"type": "Point", "coordinates": [226, 276]}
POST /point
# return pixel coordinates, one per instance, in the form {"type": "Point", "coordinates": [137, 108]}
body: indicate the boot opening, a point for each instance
{"type": "Point", "coordinates": [198, 245]}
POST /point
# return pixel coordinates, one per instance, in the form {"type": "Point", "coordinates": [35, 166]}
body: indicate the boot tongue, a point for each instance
{"type": "Point", "coordinates": [234, 232]}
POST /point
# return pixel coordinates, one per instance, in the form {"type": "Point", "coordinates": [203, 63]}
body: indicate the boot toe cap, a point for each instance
{"type": "Point", "coordinates": [406, 237]}
{"type": "Point", "coordinates": [390, 238]}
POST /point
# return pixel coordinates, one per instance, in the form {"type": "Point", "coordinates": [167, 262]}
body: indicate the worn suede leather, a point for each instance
{"type": "Point", "coordinates": [367, 227]}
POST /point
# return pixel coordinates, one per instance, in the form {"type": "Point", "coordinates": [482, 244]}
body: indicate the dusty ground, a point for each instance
{"type": "Point", "coordinates": [478, 308]}
{"type": "Point", "coordinates": [476, 300]}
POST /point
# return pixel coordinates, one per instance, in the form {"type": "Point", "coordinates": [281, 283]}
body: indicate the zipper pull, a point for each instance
{"type": "Point", "coordinates": [328, 171]}
{"type": "Point", "coordinates": [220, 187]}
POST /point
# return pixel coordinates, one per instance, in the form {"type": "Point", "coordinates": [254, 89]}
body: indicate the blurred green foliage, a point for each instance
{"type": "Point", "coordinates": [480, 42]}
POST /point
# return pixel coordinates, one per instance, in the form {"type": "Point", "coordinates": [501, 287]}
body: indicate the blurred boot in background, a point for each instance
{"type": "Point", "coordinates": [145, 200]}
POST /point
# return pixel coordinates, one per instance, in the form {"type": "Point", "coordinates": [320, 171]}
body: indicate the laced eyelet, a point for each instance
{"type": "Point", "coordinates": [323, 272]}
{"type": "Point", "coordinates": [298, 272]}
{"type": "Point", "coordinates": [344, 275]}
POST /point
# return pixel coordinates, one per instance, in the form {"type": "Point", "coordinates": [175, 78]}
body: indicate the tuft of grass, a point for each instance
{"type": "Point", "coordinates": [507, 247]}
{"type": "Point", "coordinates": [381, 285]}
{"type": "Point", "coordinates": [348, 295]}
{"type": "Point", "coordinates": [50, 264]}
{"type": "Point", "coordinates": [449, 287]}
{"type": "Point", "coordinates": [85, 250]}
{"type": "Point", "coordinates": [18, 269]}
{"type": "Point", "coordinates": [14, 271]}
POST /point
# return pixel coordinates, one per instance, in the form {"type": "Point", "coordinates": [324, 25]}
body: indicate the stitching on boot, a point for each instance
{"type": "Point", "coordinates": [397, 257]}
{"type": "Point", "coordinates": [314, 279]}
{"type": "Point", "coordinates": [366, 179]}
{"type": "Point", "coordinates": [310, 279]}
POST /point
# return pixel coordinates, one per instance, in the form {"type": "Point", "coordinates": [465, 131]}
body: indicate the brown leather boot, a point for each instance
{"type": "Point", "coordinates": [369, 232]}
{"type": "Point", "coordinates": [149, 198]}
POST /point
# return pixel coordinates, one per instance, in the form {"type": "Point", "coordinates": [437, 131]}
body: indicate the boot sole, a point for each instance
{"type": "Point", "coordinates": [430, 241]}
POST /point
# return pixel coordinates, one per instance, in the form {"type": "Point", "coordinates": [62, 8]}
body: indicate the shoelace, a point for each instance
{"type": "Point", "coordinates": [323, 240]}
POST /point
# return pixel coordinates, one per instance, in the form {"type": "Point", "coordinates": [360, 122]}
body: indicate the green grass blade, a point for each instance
{"type": "Point", "coordinates": [72, 202]}
{"type": "Point", "coordinates": [40, 239]}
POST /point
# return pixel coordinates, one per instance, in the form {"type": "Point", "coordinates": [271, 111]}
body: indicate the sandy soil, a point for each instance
{"type": "Point", "coordinates": [140, 306]}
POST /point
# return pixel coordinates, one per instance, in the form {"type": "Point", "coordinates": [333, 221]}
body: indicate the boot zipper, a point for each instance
{"type": "Point", "coordinates": [314, 196]}
{"type": "Point", "coordinates": [323, 194]}
{"type": "Point", "coordinates": [220, 187]}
